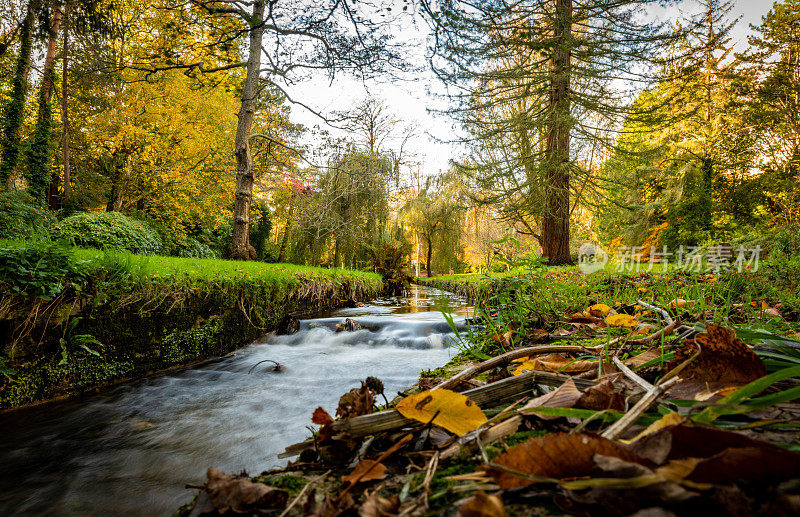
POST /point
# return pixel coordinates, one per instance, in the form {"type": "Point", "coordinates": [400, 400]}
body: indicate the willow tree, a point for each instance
{"type": "Point", "coordinates": [284, 43]}
{"type": "Point", "coordinates": [539, 85]}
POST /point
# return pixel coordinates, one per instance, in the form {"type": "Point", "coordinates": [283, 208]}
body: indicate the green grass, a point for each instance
{"type": "Point", "coordinates": [175, 268]}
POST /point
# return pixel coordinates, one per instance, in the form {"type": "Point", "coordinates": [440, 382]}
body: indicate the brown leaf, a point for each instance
{"type": "Point", "coordinates": [602, 396]}
{"type": "Point", "coordinates": [241, 495]}
{"type": "Point", "coordinates": [483, 505]}
{"type": "Point", "coordinates": [366, 470]}
{"type": "Point", "coordinates": [765, 463]}
{"type": "Point", "coordinates": [504, 339]}
{"type": "Point", "coordinates": [565, 396]}
{"type": "Point", "coordinates": [356, 402]}
{"type": "Point", "coordinates": [321, 417]}
{"type": "Point", "coordinates": [377, 506]}
{"type": "Point", "coordinates": [556, 456]}
{"type": "Point", "coordinates": [638, 360]}
{"type": "Point", "coordinates": [724, 361]}
{"type": "Point", "coordinates": [683, 440]}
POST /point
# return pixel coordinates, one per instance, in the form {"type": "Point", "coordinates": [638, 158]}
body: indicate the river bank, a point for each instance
{"type": "Point", "coordinates": [565, 367]}
{"type": "Point", "coordinates": [72, 320]}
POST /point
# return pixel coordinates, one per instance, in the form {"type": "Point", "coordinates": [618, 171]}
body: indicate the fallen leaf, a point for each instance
{"type": "Point", "coordinates": [670, 419]}
{"type": "Point", "coordinates": [366, 470]}
{"type": "Point", "coordinates": [678, 303]}
{"type": "Point", "coordinates": [724, 362]}
{"type": "Point", "coordinates": [599, 310]}
{"type": "Point", "coordinates": [765, 463]}
{"type": "Point", "coordinates": [483, 505]}
{"type": "Point", "coordinates": [622, 320]}
{"type": "Point", "coordinates": [241, 495]}
{"type": "Point", "coordinates": [377, 506]}
{"type": "Point", "coordinates": [602, 396]}
{"type": "Point", "coordinates": [638, 360]}
{"type": "Point", "coordinates": [321, 417]}
{"type": "Point", "coordinates": [555, 456]}
{"type": "Point", "coordinates": [356, 402]}
{"type": "Point", "coordinates": [566, 395]}
{"type": "Point", "coordinates": [504, 339]}
{"type": "Point", "coordinates": [454, 411]}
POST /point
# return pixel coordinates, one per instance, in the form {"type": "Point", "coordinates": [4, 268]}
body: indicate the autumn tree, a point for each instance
{"type": "Point", "coordinates": [773, 91]}
{"type": "Point", "coordinates": [543, 76]}
{"type": "Point", "coordinates": [293, 40]}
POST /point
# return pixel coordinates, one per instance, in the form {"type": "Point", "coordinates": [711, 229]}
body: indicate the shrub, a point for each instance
{"type": "Point", "coordinates": [109, 230]}
{"type": "Point", "coordinates": [195, 249]}
{"type": "Point", "coordinates": [22, 217]}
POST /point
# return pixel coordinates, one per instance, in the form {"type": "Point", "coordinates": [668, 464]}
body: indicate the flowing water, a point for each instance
{"type": "Point", "coordinates": [131, 449]}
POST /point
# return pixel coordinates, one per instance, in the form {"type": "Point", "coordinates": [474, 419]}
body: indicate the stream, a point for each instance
{"type": "Point", "coordinates": [131, 449]}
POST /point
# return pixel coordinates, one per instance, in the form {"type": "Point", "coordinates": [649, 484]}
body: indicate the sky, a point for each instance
{"type": "Point", "coordinates": [415, 99]}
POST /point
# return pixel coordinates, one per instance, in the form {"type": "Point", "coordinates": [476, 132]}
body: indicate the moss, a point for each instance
{"type": "Point", "coordinates": [288, 482]}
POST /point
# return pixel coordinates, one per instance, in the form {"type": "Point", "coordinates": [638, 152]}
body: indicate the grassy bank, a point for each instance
{"type": "Point", "coordinates": [73, 319]}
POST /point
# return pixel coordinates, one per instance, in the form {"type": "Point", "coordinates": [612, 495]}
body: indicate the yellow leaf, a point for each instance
{"type": "Point", "coordinates": [527, 365]}
{"type": "Point", "coordinates": [599, 310]}
{"type": "Point", "coordinates": [456, 412]}
{"type": "Point", "coordinates": [622, 320]}
{"type": "Point", "coordinates": [667, 420]}
{"type": "Point", "coordinates": [678, 303]}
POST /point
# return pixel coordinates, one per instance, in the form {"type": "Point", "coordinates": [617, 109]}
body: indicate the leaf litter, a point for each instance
{"type": "Point", "coordinates": [688, 402]}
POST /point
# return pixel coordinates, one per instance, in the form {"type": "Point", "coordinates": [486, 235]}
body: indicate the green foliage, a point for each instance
{"type": "Point", "coordinates": [41, 270]}
{"type": "Point", "coordinates": [194, 249]}
{"type": "Point", "coordinates": [38, 172]}
{"type": "Point", "coordinates": [22, 217]}
{"type": "Point", "coordinates": [13, 111]}
{"type": "Point", "coordinates": [70, 341]}
{"type": "Point", "coordinates": [389, 259]}
{"type": "Point", "coordinates": [259, 234]}
{"type": "Point", "coordinates": [109, 230]}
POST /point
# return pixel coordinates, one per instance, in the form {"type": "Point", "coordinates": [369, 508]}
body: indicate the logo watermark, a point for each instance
{"type": "Point", "coordinates": [638, 259]}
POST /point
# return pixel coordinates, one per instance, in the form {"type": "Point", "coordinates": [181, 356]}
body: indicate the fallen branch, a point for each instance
{"type": "Point", "coordinates": [505, 428]}
{"type": "Point", "coordinates": [622, 425]}
{"type": "Point", "coordinates": [491, 395]}
{"type": "Point", "coordinates": [502, 360]}
{"type": "Point", "coordinates": [631, 374]}
{"type": "Point", "coordinates": [664, 314]}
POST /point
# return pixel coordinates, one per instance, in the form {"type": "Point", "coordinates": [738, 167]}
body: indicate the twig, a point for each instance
{"type": "Point", "coordinates": [303, 491]}
{"type": "Point", "coordinates": [622, 425]}
{"type": "Point", "coordinates": [631, 374]}
{"type": "Point", "coordinates": [503, 359]}
{"type": "Point", "coordinates": [664, 314]}
{"type": "Point", "coordinates": [277, 365]}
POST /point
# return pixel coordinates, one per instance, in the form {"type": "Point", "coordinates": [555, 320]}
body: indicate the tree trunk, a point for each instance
{"type": "Point", "coordinates": [121, 172]}
{"type": "Point", "coordinates": [430, 256]}
{"type": "Point", "coordinates": [47, 83]}
{"type": "Point", "coordinates": [555, 221]}
{"type": "Point", "coordinates": [64, 112]}
{"type": "Point", "coordinates": [707, 195]}
{"type": "Point", "coordinates": [240, 248]}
